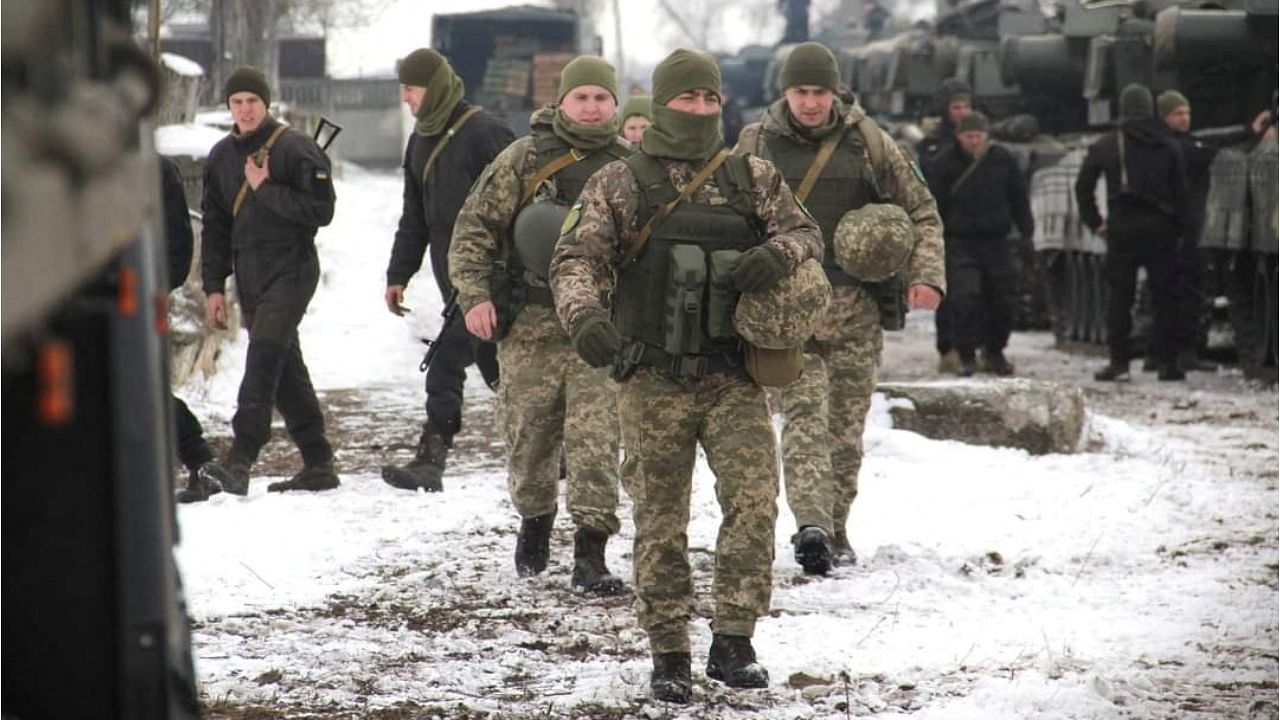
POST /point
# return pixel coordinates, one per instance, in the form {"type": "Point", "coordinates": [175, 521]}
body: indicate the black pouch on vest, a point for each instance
{"type": "Point", "coordinates": [722, 298]}
{"type": "Point", "coordinates": [683, 316]}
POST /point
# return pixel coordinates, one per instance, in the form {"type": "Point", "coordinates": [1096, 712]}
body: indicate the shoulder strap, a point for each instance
{"type": "Point", "coordinates": [642, 238]}
{"type": "Point", "coordinates": [260, 157]}
{"type": "Point", "coordinates": [750, 139]}
{"type": "Point", "coordinates": [546, 171]}
{"type": "Point", "coordinates": [873, 139]}
{"type": "Point", "coordinates": [735, 183]}
{"type": "Point", "coordinates": [1124, 171]}
{"type": "Point", "coordinates": [448, 135]}
{"type": "Point", "coordinates": [973, 165]}
{"type": "Point", "coordinates": [824, 155]}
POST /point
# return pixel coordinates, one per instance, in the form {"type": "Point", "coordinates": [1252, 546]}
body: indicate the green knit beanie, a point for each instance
{"type": "Point", "coordinates": [1135, 102]}
{"type": "Point", "coordinates": [418, 67]}
{"type": "Point", "coordinates": [682, 71]}
{"type": "Point", "coordinates": [641, 105]}
{"type": "Point", "coordinates": [1169, 101]}
{"type": "Point", "coordinates": [247, 79]}
{"type": "Point", "coordinates": [810, 63]}
{"type": "Point", "coordinates": [588, 70]}
{"type": "Point", "coordinates": [973, 122]}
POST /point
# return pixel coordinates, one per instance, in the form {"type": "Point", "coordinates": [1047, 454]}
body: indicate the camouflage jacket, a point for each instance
{"type": "Point", "coordinates": [897, 181]}
{"type": "Point", "coordinates": [586, 258]}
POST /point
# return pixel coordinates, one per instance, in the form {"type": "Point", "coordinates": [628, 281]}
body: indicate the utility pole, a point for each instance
{"type": "Point", "coordinates": [617, 39]}
{"type": "Point", "coordinates": [153, 28]}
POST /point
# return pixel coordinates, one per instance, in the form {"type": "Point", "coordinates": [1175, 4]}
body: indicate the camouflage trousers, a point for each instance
{"type": "Point", "coordinates": [662, 424]}
{"type": "Point", "coordinates": [825, 411]}
{"type": "Point", "coordinates": [549, 398]}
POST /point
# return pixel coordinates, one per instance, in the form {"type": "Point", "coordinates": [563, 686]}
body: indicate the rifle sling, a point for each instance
{"type": "Point", "coordinates": [642, 238]}
{"type": "Point", "coordinates": [448, 135]}
{"type": "Point", "coordinates": [546, 171]}
{"type": "Point", "coordinates": [260, 157]}
{"type": "Point", "coordinates": [824, 155]}
{"type": "Point", "coordinates": [955, 187]}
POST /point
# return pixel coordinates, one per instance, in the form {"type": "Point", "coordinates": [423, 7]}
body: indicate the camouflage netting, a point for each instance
{"type": "Point", "coordinates": [874, 242]}
{"type": "Point", "coordinates": [787, 315]}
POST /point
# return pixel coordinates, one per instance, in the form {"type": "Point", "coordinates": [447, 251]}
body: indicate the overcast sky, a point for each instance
{"type": "Point", "coordinates": [406, 24]}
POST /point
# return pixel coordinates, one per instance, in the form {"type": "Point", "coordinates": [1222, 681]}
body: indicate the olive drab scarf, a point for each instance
{"type": "Point", "coordinates": [443, 93]}
{"type": "Point", "coordinates": [584, 137]}
{"type": "Point", "coordinates": [681, 135]}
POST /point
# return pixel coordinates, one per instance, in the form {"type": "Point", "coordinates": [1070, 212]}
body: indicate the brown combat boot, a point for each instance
{"type": "Point", "coordinates": [231, 474]}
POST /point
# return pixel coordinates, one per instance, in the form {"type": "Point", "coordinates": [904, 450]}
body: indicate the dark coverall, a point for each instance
{"type": "Point", "coordinates": [426, 221]}
{"type": "Point", "coordinates": [1147, 214]}
{"type": "Point", "coordinates": [270, 246]}
{"type": "Point", "coordinates": [977, 214]}
{"type": "Point", "coordinates": [193, 451]}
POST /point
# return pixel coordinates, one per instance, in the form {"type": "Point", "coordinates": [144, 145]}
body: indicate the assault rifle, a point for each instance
{"type": "Point", "coordinates": [450, 314]}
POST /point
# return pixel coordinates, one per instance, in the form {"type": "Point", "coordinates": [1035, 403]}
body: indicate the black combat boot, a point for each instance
{"type": "Point", "coordinates": [320, 476]}
{"type": "Point", "coordinates": [843, 555]}
{"type": "Point", "coordinates": [1113, 373]}
{"type": "Point", "coordinates": [231, 474]}
{"type": "Point", "coordinates": [199, 488]}
{"type": "Point", "coordinates": [1170, 372]}
{"type": "Point", "coordinates": [590, 575]}
{"type": "Point", "coordinates": [997, 364]}
{"type": "Point", "coordinates": [533, 546]}
{"type": "Point", "coordinates": [426, 469]}
{"type": "Point", "coordinates": [968, 364]}
{"type": "Point", "coordinates": [813, 550]}
{"type": "Point", "coordinates": [732, 661]}
{"type": "Point", "coordinates": [671, 680]}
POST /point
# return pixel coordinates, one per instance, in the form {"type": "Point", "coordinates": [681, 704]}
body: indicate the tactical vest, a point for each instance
{"type": "Point", "coordinates": [674, 303]}
{"type": "Point", "coordinates": [846, 183]}
{"type": "Point", "coordinates": [569, 182]}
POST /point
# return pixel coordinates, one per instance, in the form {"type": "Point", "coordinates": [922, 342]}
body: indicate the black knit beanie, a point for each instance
{"type": "Point", "coordinates": [1136, 102]}
{"type": "Point", "coordinates": [247, 79]}
{"type": "Point", "coordinates": [810, 63]}
{"type": "Point", "coordinates": [418, 67]}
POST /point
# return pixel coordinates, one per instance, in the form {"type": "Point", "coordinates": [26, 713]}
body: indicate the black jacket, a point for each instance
{"type": "Point", "coordinates": [1157, 180]}
{"type": "Point", "coordinates": [282, 214]}
{"type": "Point", "coordinates": [989, 201]}
{"type": "Point", "coordinates": [431, 208]}
{"type": "Point", "coordinates": [935, 145]}
{"type": "Point", "coordinates": [177, 222]}
{"type": "Point", "coordinates": [1198, 157]}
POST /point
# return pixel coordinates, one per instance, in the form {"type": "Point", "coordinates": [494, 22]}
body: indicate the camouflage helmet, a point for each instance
{"type": "Point", "coordinates": [874, 242]}
{"type": "Point", "coordinates": [786, 315]}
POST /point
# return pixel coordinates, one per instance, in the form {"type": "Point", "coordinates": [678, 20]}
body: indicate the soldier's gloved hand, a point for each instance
{"type": "Point", "coordinates": [597, 340]}
{"type": "Point", "coordinates": [759, 269]}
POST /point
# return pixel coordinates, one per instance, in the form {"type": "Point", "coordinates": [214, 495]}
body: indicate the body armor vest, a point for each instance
{"type": "Point", "coordinates": [570, 181]}
{"type": "Point", "coordinates": [846, 183]}
{"type": "Point", "coordinates": [674, 303]}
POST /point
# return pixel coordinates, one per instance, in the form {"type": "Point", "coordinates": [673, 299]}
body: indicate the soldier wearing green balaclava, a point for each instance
{"type": "Point", "coordinates": [451, 144]}
{"type": "Point", "coordinates": [674, 267]}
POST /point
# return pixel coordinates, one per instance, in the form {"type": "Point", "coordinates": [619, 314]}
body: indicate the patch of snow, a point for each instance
{"type": "Point", "coordinates": [193, 139]}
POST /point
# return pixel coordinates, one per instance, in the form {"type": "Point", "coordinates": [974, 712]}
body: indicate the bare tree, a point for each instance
{"type": "Point", "coordinates": [721, 25]}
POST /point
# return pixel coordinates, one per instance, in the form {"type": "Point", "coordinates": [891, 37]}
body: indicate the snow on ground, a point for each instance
{"type": "Point", "coordinates": [1135, 580]}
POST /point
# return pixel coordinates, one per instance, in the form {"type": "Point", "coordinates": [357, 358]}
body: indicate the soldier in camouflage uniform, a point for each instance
{"type": "Point", "coordinates": [825, 409]}
{"type": "Point", "coordinates": [498, 259]}
{"type": "Point", "coordinates": [673, 269]}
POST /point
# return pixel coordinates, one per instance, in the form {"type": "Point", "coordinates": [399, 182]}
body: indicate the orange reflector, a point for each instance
{"type": "Point", "coordinates": [127, 299]}
{"type": "Point", "coordinates": [55, 400]}
{"type": "Point", "coordinates": [162, 313]}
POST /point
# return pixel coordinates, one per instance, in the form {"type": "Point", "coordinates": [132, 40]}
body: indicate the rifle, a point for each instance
{"type": "Point", "coordinates": [450, 314]}
{"type": "Point", "coordinates": [333, 134]}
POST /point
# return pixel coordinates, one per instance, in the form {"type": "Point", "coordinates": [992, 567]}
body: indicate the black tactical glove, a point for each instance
{"type": "Point", "coordinates": [596, 340]}
{"type": "Point", "coordinates": [759, 269]}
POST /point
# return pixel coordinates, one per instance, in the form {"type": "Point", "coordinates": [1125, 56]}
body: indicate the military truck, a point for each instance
{"type": "Point", "coordinates": [92, 623]}
{"type": "Point", "coordinates": [510, 59]}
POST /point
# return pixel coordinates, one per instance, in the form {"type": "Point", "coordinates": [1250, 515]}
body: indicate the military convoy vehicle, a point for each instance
{"type": "Point", "coordinates": [92, 621]}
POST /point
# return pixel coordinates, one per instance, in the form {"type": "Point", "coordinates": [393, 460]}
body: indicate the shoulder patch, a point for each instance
{"type": "Point", "coordinates": [571, 220]}
{"type": "Point", "coordinates": [322, 175]}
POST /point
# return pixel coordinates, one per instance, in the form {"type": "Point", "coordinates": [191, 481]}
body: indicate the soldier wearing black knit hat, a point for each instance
{"type": "Point", "coordinates": [1147, 215]}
